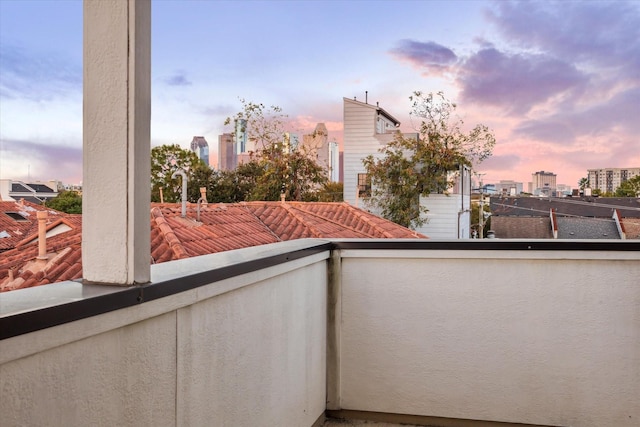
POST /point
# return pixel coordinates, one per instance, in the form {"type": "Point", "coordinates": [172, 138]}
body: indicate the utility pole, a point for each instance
{"type": "Point", "coordinates": [481, 210]}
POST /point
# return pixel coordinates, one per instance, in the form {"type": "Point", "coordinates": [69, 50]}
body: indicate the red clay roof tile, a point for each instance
{"type": "Point", "coordinates": [221, 227]}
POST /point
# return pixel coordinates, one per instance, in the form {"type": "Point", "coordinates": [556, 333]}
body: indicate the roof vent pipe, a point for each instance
{"type": "Point", "coordinates": [202, 199]}
{"type": "Point", "coordinates": [366, 96]}
{"type": "Point", "coordinates": [42, 234]}
{"type": "Point", "coordinates": [184, 190]}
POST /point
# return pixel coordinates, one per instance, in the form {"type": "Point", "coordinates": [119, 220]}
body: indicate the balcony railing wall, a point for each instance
{"type": "Point", "coordinates": [534, 333]}
{"type": "Point", "coordinates": [248, 350]}
{"type": "Point", "coordinates": [521, 336]}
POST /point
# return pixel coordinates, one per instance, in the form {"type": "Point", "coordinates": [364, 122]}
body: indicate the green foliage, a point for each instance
{"type": "Point", "coordinates": [410, 167]}
{"type": "Point", "coordinates": [331, 192]}
{"type": "Point", "coordinates": [583, 183]}
{"type": "Point", "coordinates": [66, 201]}
{"type": "Point", "coordinates": [475, 220]}
{"type": "Point", "coordinates": [629, 188]}
{"type": "Point", "coordinates": [168, 159]}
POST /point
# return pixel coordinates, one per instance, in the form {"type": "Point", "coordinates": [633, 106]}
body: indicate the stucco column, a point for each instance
{"type": "Point", "coordinates": [116, 141]}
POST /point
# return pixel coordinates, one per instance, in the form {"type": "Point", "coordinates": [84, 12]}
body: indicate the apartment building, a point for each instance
{"type": "Point", "coordinates": [608, 180]}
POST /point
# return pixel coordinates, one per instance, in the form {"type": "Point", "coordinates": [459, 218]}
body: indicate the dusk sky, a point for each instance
{"type": "Point", "coordinates": [557, 82]}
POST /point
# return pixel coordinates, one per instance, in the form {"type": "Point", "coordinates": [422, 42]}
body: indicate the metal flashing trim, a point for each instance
{"type": "Point", "coordinates": [101, 299]}
{"type": "Point", "coordinates": [115, 297]}
{"type": "Point", "coordinates": [492, 244]}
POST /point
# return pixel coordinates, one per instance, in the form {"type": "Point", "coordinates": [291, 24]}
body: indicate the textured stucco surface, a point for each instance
{"type": "Point", "coordinates": [519, 340]}
{"type": "Point", "coordinates": [248, 350]}
{"type": "Point", "coordinates": [256, 356]}
{"type": "Point", "coordinates": [124, 377]}
{"type": "Point", "coordinates": [116, 140]}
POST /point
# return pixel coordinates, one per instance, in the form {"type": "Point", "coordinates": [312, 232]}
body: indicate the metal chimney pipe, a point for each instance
{"type": "Point", "coordinates": [202, 199]}
{"type": "Point", "coordinates": [184, 190]}
{"type": "Point", "coordinates": [42, 234]}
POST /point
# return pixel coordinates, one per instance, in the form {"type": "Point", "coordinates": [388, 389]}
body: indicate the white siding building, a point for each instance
{"type": "Point", "coordinates": [367, 128]}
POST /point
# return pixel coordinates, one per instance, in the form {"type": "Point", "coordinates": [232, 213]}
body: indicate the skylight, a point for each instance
{"type": "Point", "coordinates": [16, 216]}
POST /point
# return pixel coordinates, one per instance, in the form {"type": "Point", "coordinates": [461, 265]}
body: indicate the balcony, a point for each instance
{"type": "Point", "coordinates": [465, 333]}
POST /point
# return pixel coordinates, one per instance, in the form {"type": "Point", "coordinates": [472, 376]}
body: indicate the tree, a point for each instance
{"type": "Point", "coordinates": [583, 183]}
{"type": "Point", "coordinates": [277, 166]}
{"type": "Point", "coordinates": [331, 192]}
{"type": "Point", "coordinates": [475, 212]}
{"type": "Point", "coordinates": [168, 159]}
{"type": "Point", "coordinates": [66, 201]}
{"type": "Point", "coordinates": [629, 188]}
{"type": "Point", "coordinates": [409, 166]}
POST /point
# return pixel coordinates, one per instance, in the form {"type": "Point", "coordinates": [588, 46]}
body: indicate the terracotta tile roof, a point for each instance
{"type": "Point", "coordinates": [222, 227]}
{"type": "Point", "coordinates": [13, 231]}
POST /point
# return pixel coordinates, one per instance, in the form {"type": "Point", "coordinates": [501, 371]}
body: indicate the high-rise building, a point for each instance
{"type": "Point", "coordinates": [241, 136]}
{"type": "Point", "coordinates": [543, 183]}
{"type": "Point", "coordinates": [326, 153]}
{"type": "Point", "coordinates": [227, 154]}
{"type": "Point", "coordinates": [290, 142]}
{"type": "Point", "coordinates": [608, 180]}
{"type": "Point", "coordinates": [200, 146]}
{"type": "Point", "coordinates": [334, 162]}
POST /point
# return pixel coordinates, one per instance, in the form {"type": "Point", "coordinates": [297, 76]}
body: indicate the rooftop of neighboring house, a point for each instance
{"type": "Point", "coordinates": [18, 221]}
{"type": "Point", "coordinates": [599, 207]}
{"type": "Point", "coordinates": [587, 228]}
{"type": "Point", "coordinates": [221, 227]}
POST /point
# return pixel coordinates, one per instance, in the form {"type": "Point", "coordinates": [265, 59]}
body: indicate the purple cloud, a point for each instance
{"type": "Point", "coordinates": [502, 162]}
{"type": "Point", "coordinates": [517, 82]}
{"type": "Point", "coordinates": [42, 155]}
{"type": "Point", "coordinates": [606, 34]}
{"type": "Point", "coordinates": [429, 55]}
{"type": "Point", "coordinates": [615, 115]}
{"type": "Point", "coordinates": [179, 79]}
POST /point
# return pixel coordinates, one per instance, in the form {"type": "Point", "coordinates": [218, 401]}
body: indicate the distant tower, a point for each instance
{"type": "Point", "coordinates": [200, 146]}
{"type": "Point", "coordinates": [543, 183]}
{"type": "Point", "coordinates": [290, 142]}
{"type": "Point", "coordinates": [334, 162]}
{"type": "Point", "coordinates": [227, 152]}
{"type": "Point", "coordinates": [318, 145]}
{"type": "Point", "coordinates": [241, 136]}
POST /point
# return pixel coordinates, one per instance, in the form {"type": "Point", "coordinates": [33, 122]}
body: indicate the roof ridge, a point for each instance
{"type": "Point", "coordinates": [245, 206]}
{"type": "Point", "coordinates": [168, 234]}
{"type": "Point", "coordinates": [349, 227]}
{"type": "Point", "coordinates": [368, 221]}
{"type": "Point", "coordinates": [290, 210]}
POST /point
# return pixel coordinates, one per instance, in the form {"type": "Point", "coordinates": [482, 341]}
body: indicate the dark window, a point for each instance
{"type": "Point", "coordinates": [364, 185]}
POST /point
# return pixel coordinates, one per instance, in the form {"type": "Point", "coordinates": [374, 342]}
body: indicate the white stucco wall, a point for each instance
{"type": "Point", "coordinates": [527, 337]}
{"type": "Point", "coordinates": [244, 351]}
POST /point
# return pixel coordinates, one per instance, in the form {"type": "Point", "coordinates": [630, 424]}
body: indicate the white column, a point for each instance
{"type": "Point", "coordinates": [116, 134]}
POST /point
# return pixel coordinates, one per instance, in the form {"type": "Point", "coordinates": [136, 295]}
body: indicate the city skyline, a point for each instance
{"type": "Point", "coordinates": [557, 82]}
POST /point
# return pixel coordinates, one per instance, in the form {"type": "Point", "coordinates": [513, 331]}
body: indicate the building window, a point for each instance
{"type": "Point", "coordinates": [364, 185]}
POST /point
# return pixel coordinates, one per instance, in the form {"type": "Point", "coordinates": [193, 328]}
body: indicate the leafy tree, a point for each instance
{"type": "Point", "coordinates": [410, 167]}
{"type": "Point", "coordinates": [475, 212]}
{"type": "Point", "coordinates": [331, 192]}
{"type": "Point", "coordinates": [167, 159]}
{"type": "Point", "coordinates": [66, 201]}
{"type": "Point", "coordinates": [583, 183]}
{"type": "Point", "coordinates": [629, 188]}
{"type": "Point", "coordinates": [276, 167]}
